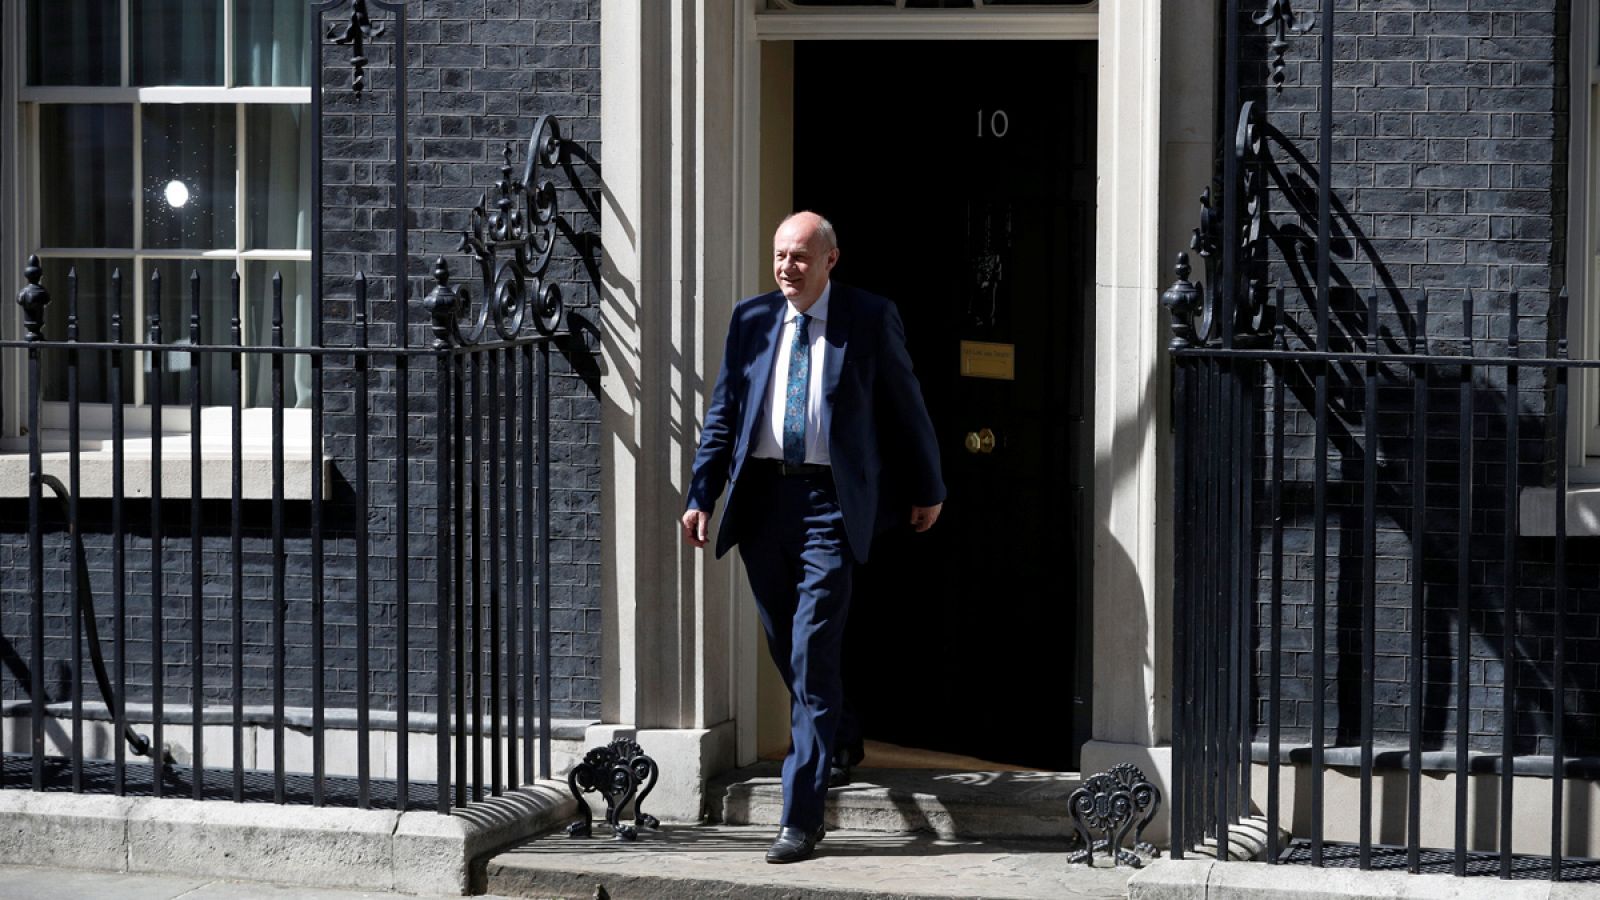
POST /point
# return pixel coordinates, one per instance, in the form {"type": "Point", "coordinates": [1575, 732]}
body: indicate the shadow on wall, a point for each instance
{"type": "Point", "coordinates": [1430, 308]}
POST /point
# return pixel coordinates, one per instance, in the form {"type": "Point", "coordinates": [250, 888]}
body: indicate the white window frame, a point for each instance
{"type": "Point", "coordinates": [1583, 243]}
{"type": "Point", "coordinates": [19, 234]}
{"type": "Point", "coordinates": [1583, 251]}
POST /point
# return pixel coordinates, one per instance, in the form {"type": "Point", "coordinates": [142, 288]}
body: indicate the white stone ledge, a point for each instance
{"type": "Point", "coordinates": [1537, 511]}
{"type": "Point", "coordinates": [216, 474]}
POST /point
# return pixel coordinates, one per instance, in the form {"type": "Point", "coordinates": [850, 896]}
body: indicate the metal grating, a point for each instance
{"type": "Point", "coordinates": [1386, 858]}
{"type": "Point", "coordinates": [98, 778]}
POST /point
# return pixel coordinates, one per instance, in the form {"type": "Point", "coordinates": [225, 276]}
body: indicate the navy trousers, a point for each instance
{"type": "Point", "coordinates": [800, 569]}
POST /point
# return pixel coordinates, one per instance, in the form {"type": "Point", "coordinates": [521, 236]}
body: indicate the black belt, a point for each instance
{"type": "Point", "coordinates": [780, 467]}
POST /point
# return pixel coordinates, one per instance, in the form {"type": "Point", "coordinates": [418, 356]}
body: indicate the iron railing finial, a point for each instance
{"type": "Point", "coordinates": [1181, 299]}
{"type": "Point", "coordinates": [442, 306]}
{"type": "Point", "coordinates": [33, 299]}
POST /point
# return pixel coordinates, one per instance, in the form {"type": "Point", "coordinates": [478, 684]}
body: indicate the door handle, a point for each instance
{"type": "Point", "coordinates": [980, 441]}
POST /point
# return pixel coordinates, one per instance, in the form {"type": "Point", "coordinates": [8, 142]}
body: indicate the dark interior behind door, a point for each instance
{"type": "Point", "coordinates": [961, 179]}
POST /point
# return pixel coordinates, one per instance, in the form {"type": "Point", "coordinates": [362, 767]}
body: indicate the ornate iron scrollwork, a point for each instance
{"type": "Point", "coordinates": [1205, 241]}
{"type": "Point", "coordinates": [524, 222]}
{"type": "Point", "coordinates": [1113, 803]}
{"type": "Point", "coordinates": [1281, 13]}
{"type": "Point", "coordinates": [1199, 321]}
{"type": "Point", "coordinates": [617, 772]}
{"type": "Point", "coordinates": [354, 34]}
{"type": "Point", "coordinates": [1249, 147]}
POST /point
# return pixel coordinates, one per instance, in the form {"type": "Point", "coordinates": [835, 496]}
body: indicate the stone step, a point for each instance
{"type": "Point", "coordinates": [952, 804]}
{"type": "Point", "coordinates": [722, 861]}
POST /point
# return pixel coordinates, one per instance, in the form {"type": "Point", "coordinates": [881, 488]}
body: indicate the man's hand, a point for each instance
{"type": "Point", "coordinates": [923, 517]}
{"type": "Point", "coordinates": [695, 522]}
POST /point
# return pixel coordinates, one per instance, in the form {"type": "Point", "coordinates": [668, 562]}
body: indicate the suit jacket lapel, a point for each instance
{"type": "Point", "coordinates": [761, 366]}
{"type": "Point", "coordinates": [838, 340]}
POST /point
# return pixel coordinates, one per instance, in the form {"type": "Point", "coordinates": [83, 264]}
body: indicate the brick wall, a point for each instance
{"type": "Point", "coordinates": [1448, 170]}
{"type": "Point", "coordinates": [480, 72]}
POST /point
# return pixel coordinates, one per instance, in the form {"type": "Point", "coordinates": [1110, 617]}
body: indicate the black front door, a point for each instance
{"type": "Point", "coordinates": [961, 179]}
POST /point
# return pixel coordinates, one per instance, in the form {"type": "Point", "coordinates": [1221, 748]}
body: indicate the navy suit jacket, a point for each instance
{"type": "Point", "coordinates": [880, 440]}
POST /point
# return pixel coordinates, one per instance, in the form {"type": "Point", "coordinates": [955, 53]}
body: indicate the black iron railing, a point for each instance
{"type": "Point", "coordinates": [487, 535]}
{"type": "Point", "coordinates": [1373, 569]}
{"type": "Point", "coordinates": [440, 614]}
{"type": "Point", "coordinates": [1453, 469]}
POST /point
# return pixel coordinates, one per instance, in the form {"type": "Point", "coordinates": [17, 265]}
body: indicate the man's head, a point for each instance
{"type": "Point", "coordinates": [804, 250]}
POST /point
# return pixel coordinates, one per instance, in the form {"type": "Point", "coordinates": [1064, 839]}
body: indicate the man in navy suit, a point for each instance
{"type": "Point", "coordinates": [815, 400]}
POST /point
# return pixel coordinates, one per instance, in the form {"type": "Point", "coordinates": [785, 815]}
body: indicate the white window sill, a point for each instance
{"type": "Point", "coordinates": [216, 460]}
{"type": "Point", "coordinates": [1537, 505]}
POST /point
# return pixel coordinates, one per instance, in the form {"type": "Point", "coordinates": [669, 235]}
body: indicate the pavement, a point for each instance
{"type": "Point", "coordinates": [27, 883]}
{"type": "Point", "coordinates": [696, 863]}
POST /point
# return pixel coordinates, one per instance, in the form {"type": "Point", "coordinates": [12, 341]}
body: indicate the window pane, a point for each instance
{"type": "Point", "coordinates": [296, 330]}
{"type": "Point", "coordinates": [270, 41]}
{"type": "Point", "coordinates": [175, 42]}
{"type": "Point", "coordinates": [189, 176]}
{"type": "Point", "coordinates": [216, 314]}
{"type": "Point", "coordinates": [94, 324]}
{"type": "Point", "coordinates": [86, 176]}
{"type": "Point", "coordinates": [278, 178]}
{"type": "Point", "coordinates": [74, 42]}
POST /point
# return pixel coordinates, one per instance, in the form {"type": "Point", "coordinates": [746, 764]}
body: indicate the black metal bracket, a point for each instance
{"type": "Point", "coordinates": [1113, 803]}
{"type": "Point", "coordinates": [618, 771]}
{"type": "Point", "coordinates": [354, 35]}
{"type": "Point", "coordinates": [1281, 14]}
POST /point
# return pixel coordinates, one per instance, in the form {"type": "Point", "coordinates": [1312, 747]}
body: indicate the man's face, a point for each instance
{"type": "Point", "coordinates": [801, 261]}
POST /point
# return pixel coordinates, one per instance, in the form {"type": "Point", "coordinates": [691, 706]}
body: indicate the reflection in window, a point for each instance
{"type": "Point", "coordinates": [175, 41]}
{"type": "Point", "coordinates": [94, 324]}
{"type": "Point", "coordinates": [270, 41]}
{"type": "Point", "coordinates": [176, 308]}
{"type": "Point", "coordinates": [277, 178]}
{"type": "Point", "coordinates": [86, 158]}
{"type": "Point", "coordinates": [189, 176]}
{"type": "Point", "coordinates": [296, 331]}
{"type": "Point", "coordinates": [74, 42]}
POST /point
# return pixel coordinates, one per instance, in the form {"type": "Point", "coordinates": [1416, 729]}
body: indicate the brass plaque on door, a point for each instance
{"type": "Point", "coordinates": [985, 360]}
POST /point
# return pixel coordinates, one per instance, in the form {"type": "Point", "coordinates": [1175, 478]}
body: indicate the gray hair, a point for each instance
{"type": "Point", "coordinates": [830, 238]}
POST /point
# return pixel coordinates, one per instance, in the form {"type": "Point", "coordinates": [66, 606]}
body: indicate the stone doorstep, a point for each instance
{"type": "Point", "coordinates": [950, 804]}
{"type": "Point", "coordinates": [411, 852]}
{"type": "Point", "coordinates": [723, 862]}
{"type": "Point", "coordinates": [1208, 880]}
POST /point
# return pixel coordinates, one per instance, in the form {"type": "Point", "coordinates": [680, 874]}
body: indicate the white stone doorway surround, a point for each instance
{"type": "Point", "coordinates": [685, 86]}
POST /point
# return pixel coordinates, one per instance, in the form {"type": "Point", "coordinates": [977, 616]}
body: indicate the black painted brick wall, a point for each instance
{"type": "Point", "coordinates": [480, 72]}
{"type": "Point", "coordinates": [1448, 172]}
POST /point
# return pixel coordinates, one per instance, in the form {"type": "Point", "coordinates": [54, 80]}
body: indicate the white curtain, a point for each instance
{"type": "Point", "coordinates": [271, 50]}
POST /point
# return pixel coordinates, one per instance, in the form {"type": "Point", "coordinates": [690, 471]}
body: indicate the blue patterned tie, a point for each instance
{"type": "Point", "coordinates": [794, 406]}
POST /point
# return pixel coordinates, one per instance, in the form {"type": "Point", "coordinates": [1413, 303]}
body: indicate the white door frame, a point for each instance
{"type": "Point", "coordinates": [1129, 704]}
{"type": "Point", "coordinates": [681, 127]}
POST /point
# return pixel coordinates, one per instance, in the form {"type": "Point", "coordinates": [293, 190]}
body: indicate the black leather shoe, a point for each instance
{"type": "Point", "coordinates": [794, 845]}
{"type": "Point", "coordinates": [838, 776]}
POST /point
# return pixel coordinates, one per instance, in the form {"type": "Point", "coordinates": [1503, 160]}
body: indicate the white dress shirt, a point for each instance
{"type": "Point", "coordinates": [769, 437]}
